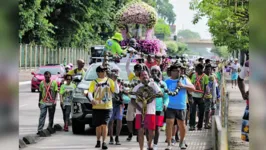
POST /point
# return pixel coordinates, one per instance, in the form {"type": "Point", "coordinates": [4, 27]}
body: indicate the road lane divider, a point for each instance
{"type": "Point", "coordinates": [24, 82]}
{"type": "Point", "coordinates": [32, 139]}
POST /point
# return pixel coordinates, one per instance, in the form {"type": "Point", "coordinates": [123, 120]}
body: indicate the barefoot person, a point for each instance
{"type": "Point", "coordinates": [145, 103]}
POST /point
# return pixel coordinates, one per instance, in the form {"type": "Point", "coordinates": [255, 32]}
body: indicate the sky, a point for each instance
{"type": "Point", "coordinates": [184, 17]}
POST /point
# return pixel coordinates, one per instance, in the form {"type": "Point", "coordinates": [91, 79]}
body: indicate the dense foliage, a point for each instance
{"type": "Point", "coordinates": [176, 48]}
{"type": "Point", "coordinates": [188, 35]}
{"type": "Point", "coordinates": [162, 28]}
{"type": "Point", "coordinates": [228, 21]}
{"type": "Point", "coordinates": [74, 23]}
{"type": "Point", "coordinates": [221, 51]}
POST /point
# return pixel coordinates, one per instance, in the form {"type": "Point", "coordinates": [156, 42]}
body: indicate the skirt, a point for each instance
{"type": "Point", "coordinates": [234, 76]}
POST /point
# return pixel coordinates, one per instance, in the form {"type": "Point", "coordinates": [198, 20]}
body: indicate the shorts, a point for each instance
{"type": "Point", "coordinates": [207, 105]}
{"type": "Point", "coordinates": [130, 112]}
{"type": "Point", "coordinates": [117, 113]}
{"type": "Point", "coordinates": [179, 114]}
{"type": "Point", "coordinates": [149, 121]}
{"type": "Point", "coordinates": [159, 118]}
{"type": "Point", "coordinates": [101, 116]}
{"type": "Point", "coordinates": [234, 76]}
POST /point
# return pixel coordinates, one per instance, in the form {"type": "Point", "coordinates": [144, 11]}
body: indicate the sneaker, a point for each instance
{"type": "Point", "coordinates": [173, 142]}
{"type": "Point", "coordinates": [199, 129]}
{"type": "Point", "coordinates": [191, 128]}
{"type": "Point", "coordinates": [182, 145]}
{"type": "Point", "coordinates": [155, 147]}
{"type": "Point", "coordinates": [117, 141]}
{"type": "Point", "coordinates": [163, 128]}
{"type": "Point", "coordinates": [129, 138]}
{"type": "Point", "coordinates": [98, 145]}
{"type": "Point", "coordinates": [168, 148]}
{"type": "Point", "coordinates": [207, 127]}
{"type": "Point", "coordinates": [111, 141]}
{"type": "Point", "coordinates": [104, 146]}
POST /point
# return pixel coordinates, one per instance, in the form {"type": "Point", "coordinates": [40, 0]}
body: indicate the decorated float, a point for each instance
{"type": "Point", "coordinates": [135, 18]}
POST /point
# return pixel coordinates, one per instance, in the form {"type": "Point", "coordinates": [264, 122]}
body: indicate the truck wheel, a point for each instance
{"type": "Point", "coordinates": [77, 127]}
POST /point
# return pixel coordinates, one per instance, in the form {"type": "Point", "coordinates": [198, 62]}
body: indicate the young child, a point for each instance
{"type": "Point", "coordinates": [209, 100]}
{"type": "Point", "coordinates": [66, 97]}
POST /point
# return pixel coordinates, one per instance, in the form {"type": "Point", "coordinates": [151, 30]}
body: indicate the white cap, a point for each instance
{"type": "Point", "coordinates": [67, 66]}
{"type": "Point", "coordinates": [114, 67]}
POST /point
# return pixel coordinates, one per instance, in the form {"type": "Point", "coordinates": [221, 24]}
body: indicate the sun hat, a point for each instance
{"type": "Point", "coordinates": [118, 36]}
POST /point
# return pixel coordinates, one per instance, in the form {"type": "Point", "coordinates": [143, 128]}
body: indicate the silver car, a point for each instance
{"type": "Point", "coordinates": [81, 107]}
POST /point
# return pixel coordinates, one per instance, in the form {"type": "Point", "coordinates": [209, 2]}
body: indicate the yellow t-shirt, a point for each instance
{"type": "Point", "coordinates": [102, 93]}
{"type": "Point", "coordinates": [81, 72]}
{"type": "Point", "coordinates": [132, 77]}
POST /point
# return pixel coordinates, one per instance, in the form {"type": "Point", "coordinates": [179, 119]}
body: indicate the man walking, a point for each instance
{"type": "Point", "coordinates": [200, 81]}
{"type": "Point", "coordinates": [161, 104]}
{"type": "Point", "coordinates": [118, 110]}
{"type": "Point", "coordinates": [235, 68]}
{"type": "Point", "coordinates": [47, 101]}
{"type": "Point", "coordinates": [138, 100]}
{"type": "Point", "coordinates": [176, 109]}
{"type": "Point", "coordinates": [103, 89]}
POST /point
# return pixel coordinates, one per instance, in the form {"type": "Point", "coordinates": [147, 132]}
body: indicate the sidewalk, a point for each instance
{"type": "Point", "coordinates": [236, 110]}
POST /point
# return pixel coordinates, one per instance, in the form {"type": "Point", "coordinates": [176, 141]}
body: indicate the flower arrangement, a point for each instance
{"type": "Point", "coordinates": [136, 12]}
{"type": "Point", "coordinates": [152, 46]}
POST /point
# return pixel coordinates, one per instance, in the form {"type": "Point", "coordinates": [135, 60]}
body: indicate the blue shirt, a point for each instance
{"type": "Point", "coordinates": [178, 101]}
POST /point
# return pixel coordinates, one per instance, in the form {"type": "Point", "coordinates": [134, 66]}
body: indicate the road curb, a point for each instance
{"type": "Point", "coordinates": [32, 139]}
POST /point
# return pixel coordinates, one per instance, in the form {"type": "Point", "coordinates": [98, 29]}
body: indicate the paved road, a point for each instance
{"type": "Point", "coordinates": [28, 122]}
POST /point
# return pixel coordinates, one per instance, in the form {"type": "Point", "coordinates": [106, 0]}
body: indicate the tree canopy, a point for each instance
{"type": "Point", "coordinates": [188, 35]}
{"type": "Point", "coordinates": [228, 21]}
{"type": "Point", "coordinates": [162, 28]}
{"type": "Point", "coordinates": [166, 11]}
{"type": "Point", "coordinates": [67, 23]}
{"type": "Point", "coordinates": [176, 48]}
{"type": "Point", "coordinates": [76, 23]}
{"type": "Point", "coordinates": [221, 51]}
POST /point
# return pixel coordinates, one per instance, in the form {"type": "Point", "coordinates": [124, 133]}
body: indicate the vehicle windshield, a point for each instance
{"type": "Point", "coordinates": [53, 70]}
{"type": "Point", "coordinates": [92, 75]}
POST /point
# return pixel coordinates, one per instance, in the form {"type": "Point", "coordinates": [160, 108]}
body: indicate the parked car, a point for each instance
{"type": "Point", "coordinates": [57, 74]}
{"type": "Point", "coordinates": [81, 108]}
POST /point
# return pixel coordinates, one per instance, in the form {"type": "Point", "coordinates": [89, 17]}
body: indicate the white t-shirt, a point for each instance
{"type": "Point", "coordinates": [244, 71]}
{"type": "Point", "coordinates": [151, 107]}
{"type": "Point", "coordinates": [235, 67]}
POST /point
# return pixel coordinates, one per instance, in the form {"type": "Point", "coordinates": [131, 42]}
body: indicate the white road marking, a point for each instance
{"type": "Point", "coordinates": [24, 82]}
{"type": "Point", "coordinates": [23, 105]}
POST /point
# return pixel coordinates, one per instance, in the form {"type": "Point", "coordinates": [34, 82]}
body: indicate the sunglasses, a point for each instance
{"type": "Point", "coordinates": [68, 79]}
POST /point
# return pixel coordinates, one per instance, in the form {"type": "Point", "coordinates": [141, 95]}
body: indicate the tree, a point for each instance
{"type": "Point", "coordinates": [221, 51]}
{"type": "Point", "coordinates": [172, 48]}
{"type": "Point", "coordinates": [67, 23]}
{"type": "Point", "coordinates": [162, 28]}
{"type": "Point", "coordinates": [188, 35]}
{"type": "Point", "coordinates": [228, 21]}
{"type": "Point", "coordinates": [166, 11]}
{"type": "Point", "coordinates": [176, 48]}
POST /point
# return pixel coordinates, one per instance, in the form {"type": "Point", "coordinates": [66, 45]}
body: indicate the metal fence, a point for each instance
{"type": "Point", "coordinates": [33, 56]}
{"type": "Point", "coordinates": [220, 120]}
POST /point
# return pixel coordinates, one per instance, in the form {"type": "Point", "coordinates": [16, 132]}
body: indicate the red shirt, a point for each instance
{"type": "Point", "coordinates": [149, 65]}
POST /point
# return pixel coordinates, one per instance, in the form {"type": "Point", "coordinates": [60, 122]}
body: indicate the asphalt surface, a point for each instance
{"type": "Point", "coordinates": [28, 122]}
